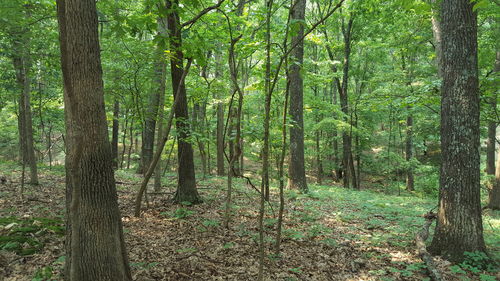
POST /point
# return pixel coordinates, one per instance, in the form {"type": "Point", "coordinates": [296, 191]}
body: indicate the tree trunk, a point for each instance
{"type": "Point", "coordinates": [22, 65]}
{"type": "Point", "coordinates": [410, 181]}
{"type": "Point", "coordinates": [148, 135]}
{"type": "Point", "coordinates": [124, 139]}
{"type": "Point", "coordinates": [220, 121]}
{"type": "Point", "coordinates": [459, 226]}
{"type": "Point", "coordinates": [160, 81]}
{"type": "Point", "coordinates": [358, 151]}
{"type": "Point", "coordinates": [490, 145]}
{"type": "Point", "coordinates": [494, 192]}
{"type": "Point", "coordinates": [95, 248]}
{"type": "Point", "coordinates": [436, 33]}
{"type": "Point", "coordinates": [114, 138]}
{"type": "Point", "coordinates": [49, 144]}
{"type": "Point", "coordinates": [131, 133]}
{"type": "Point", "coordinates": [337, 166]}
{"type": "Point", "coordinates": [296, 169]}
{"type": "Point", "coordinates": [344, 105]}
{"type": "Point", "coordinates": [186, 187]}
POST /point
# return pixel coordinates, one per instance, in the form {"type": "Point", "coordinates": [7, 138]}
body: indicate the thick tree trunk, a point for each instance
{"type": "Point", "coordinates": [296, 169]}
{"type": "Point", "coordinates": [95, 248]}
{"type": "Point", "coordinates": [114, 137]}
{"type": "Point", "coordinates": [186, 188]}
{"type": "Point", "coordinates": [459, 226]}
{"type": "Point", "coordinates": [22, 65]}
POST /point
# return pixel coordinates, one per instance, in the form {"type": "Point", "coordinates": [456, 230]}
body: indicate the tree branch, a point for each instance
{"type": "Point", "coordinates": [202, 13]}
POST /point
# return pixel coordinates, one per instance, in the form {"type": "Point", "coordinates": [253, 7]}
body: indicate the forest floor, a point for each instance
{"type": "Point", "coordinates": [329, 234]}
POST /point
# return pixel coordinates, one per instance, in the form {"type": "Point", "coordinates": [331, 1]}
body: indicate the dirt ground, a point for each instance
{"type": "Point", "coordinates": [173, 242]}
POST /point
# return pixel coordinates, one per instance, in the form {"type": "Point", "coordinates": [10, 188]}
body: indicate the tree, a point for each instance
{"type": "Point", "coordinates": [186, 187]}
{"type": "Point", "coordinates": [21, 59]}
{"type": "Point", "coordinates": [494, 192]}
{"type": "Point", "coordinates": [95, 248]}
{"type": "Point", "coordinates": [115, 131]}
{"type": "Point", "coordinates": [296, 169]}
{"type": "Point", "coordinates": [459, 225]}
{"type": "Point", "coordinates": [350, 175]}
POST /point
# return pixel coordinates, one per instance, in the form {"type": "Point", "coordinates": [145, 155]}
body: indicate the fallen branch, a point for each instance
{"type": "Point", "coordinates": [420, 239]}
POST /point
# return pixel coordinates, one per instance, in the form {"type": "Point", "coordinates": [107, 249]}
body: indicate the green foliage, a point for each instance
{"type": "Point", "coordinates": [187, 250]}
{"type": "Point", "coordinates": [487, 277]}
{"type": "Point", "coordinates": [182, 213]}
{"type": "Point", "coordinates": [26, 236]}
{"type": "Point", "coordinates": [296, 269]}
{"type": "Point", "coordinates": [476, 262]}
{"type": "Point", "coordinates": [210, 223]}
{"type": "Point", "coordinates": [43, 274]}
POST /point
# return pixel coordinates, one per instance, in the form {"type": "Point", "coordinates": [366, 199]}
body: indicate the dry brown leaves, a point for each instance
{"type": "Point", "coordinates": [163, 246]}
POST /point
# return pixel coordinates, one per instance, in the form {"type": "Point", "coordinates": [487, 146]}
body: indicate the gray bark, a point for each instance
{"type": "Point", "coordinates": [459, 225]}
{"type": "Point", "coordinates": [95, 248]}
{"type": "Point", "coordinates": [296, 169]}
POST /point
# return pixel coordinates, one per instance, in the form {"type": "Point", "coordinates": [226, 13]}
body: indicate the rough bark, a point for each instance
{"type": "Point", "coordinates": [95, 248]}
{"type": "Point", "coordinates": [459, 225]}
{"type": "Point", "coordinates": [186, 187]}
{"type": "Point", "coordinates": [296, 168]}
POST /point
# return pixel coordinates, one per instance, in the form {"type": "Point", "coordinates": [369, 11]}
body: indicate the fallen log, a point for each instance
{"type": "Point", "coordinates": [420, 239]}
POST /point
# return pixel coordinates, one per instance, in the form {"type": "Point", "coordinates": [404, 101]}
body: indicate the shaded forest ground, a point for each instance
{"type": "Point", "coordinates": [329, 234]}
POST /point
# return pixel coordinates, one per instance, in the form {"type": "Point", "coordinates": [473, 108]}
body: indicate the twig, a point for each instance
{"type": "Point", "coordinates": [202, 13]}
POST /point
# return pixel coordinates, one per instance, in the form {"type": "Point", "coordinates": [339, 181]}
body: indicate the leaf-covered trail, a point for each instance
{"type": "Point", "coordinates": [329, 234]}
